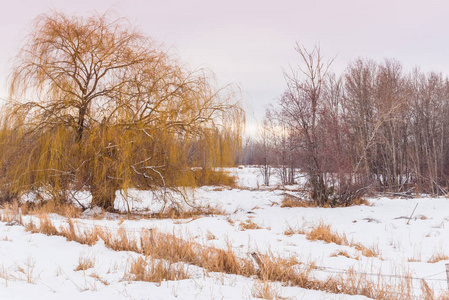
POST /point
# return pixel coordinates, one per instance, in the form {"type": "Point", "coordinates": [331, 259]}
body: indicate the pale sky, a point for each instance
{"type": "Point", "coordinates": [250, 42]}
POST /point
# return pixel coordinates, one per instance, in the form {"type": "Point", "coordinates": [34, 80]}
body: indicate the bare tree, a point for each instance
{"type": "Point", "coordinates": [301, 105]}
{"type": "Point", "coordinates": [284, 146]}
{"type": "Point", "coordinates": [265, 151]}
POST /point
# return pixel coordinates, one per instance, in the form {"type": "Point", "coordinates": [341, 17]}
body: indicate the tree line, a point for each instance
{"type": "Point", "coordinates": [375, 128]}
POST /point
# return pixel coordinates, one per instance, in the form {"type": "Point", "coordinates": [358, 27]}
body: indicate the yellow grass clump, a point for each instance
{"type": "Point", "coordinates": [248, 225]}
{"type": "Point", "coordinates": [437, 256]}
{"type": "Point", "coordinates": [323, 232]}
{"type": "Point", "coordinates": [84, 263]}
{"type": "Point", "coordinates": [147, 269]}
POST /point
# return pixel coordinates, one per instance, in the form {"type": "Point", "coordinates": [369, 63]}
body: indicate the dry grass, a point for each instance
{"type": "Point", "coordinates": [248, 225]}
{"type": "Point", "coordinates": [210, 236]}
{"type": "Point", "coordinates": [175, 213]}
{"type": "Point", "coordinates": [69, 232]}
{"type": "Point", "coordinates": [12, 213]}
{"type": "Point", "coordinates": [97, 277]}
{"type": "Point", "coordinates": [6, 239]}
{"type": "Point", "coordinates": [351, 282]}
{"type": "Point", "coordinates": [266, 290]}
{"type": "Point", "coordinates": [31, 227]}
{"type": "Point", "coordinates": [4, 274]}
{"type": "Point", "coordinates": [230, 221]}
{"type": "Point", "coordinates": [437, 256]}
{"type": "Point", "coordinates": [171, 250]}
{"type": "Point", "coordinates": [427, 291]}
{"type": "Point", "coordinates": [293, 230]}
{"type": "Point", "coordinates": [85, 263]}
{"type": "Point", "coordinates": [27, 272]}
{"type": "Point", "coordinates": [345, 254]}
{"type": "Point", "coordinates": [292, 201]}
{"type": "Point", "coordinates": [360, 201]}
{"type": "Point", "coordinates": [174, 249]}
{"type": "Point", "coordinates": [442, 296]}
{"type": "Point", "coordinates": [46, 227]}
{"type": "Point", "coordinates": [415, 258]}
{"type": "Point", "coordinates": [373, 251]}
{"type": "Point", "coordinates": [47, 207]}
{"type": "Point", "coordinates": [146, 269]}
{"type": "Point", "coordinates": [158, 245]}
{"type": "Point", "coordinates": [323, 232]}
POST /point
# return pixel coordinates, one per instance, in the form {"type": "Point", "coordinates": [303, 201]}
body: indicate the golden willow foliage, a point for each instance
{"type": "Point", "coordinates": [96, 104]}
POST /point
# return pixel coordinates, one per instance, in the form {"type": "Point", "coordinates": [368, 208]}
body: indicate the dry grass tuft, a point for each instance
{"type": "Point", "coordinates": [146, 269]}
{"type": "Point", "coordinates": [69, 232]}
{"type": "Point", "coordinates": [31, 227]}
{"type": "Point", "coordinates": [248, 225]}
{"type": "Point", "coordinates": [345, 254]}
{"type": "Point", "coordinates": [427, 291]}
{"type": "Point", "coordinates": [230, 221]}
{"type": "Point", "coordinates": [118, 241]}
{"type": "Point", "coordinates": [292, 201]}
{"type": "Point", "coordinates": [27, 273]}
{"type": "Point", "coordinates": [360, 201]}
{"type": "Point", "coordinates": [84, 263]}
{"type": "Point", "coordinates": [47, 207]}
{"type": "Point", "coordinates": [437, 256]}
{"type": "Point", "coordinates": [373, 251]}
{"type": "Point", "coordinates": [87, 236]}
{"type": "Point", "coordinates": [5, 239]}
{"type": "Point", "coordinates": [210, 236]}
{"type": "Point", "coordinates": [323, 232]}
{"type": "Point", "coordinates": [266, 290]}
{"type": "Point", "coordinates": [4, 274]}
{"type": "Point", "coordinates": [97, 277]}
{"type": "Point", "coordinates": [46, 227]}
{"type": "Point", "coordinates": [12, 213]}
{"type": "Point", "coordinates": [291, 231]}
{"type": "Point", "coordinates": [414, 259]}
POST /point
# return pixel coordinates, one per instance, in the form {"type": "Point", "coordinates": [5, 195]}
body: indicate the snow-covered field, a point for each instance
{"type": "Point", "coordinates": [43, 267]}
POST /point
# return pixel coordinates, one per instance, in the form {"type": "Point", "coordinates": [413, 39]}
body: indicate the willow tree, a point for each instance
{"type": "Point", "coordinates": [104, 107]}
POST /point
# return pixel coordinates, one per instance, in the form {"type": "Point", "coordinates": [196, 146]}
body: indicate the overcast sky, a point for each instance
{"type": "Point", "coordinates": [249, 42]}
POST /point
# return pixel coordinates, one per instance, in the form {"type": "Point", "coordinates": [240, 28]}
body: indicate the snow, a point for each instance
{"type": "Point", "coordinates": [42, 267]}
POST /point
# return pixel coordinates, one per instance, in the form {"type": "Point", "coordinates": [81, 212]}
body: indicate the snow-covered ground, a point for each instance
{"type": "Point", "coordinates": [42, 267]}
